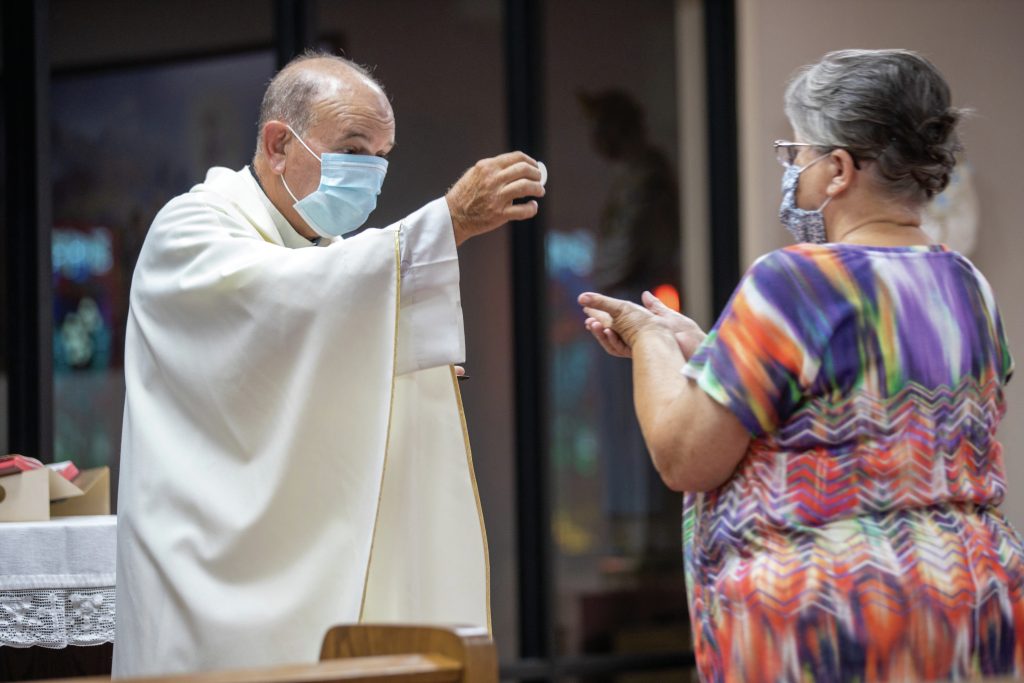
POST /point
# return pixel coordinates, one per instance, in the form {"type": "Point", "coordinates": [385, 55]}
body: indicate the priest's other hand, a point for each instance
{"type": "Point", "coordinates": [482, 199]}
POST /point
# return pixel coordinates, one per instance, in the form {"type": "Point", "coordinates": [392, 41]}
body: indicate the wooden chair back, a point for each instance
{"type": "Point", "coordinates": [470, 647]}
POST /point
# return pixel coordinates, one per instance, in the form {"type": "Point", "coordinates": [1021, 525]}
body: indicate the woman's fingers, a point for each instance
{"type": "Point", "coordinates": [598, 315]}
{"type": "Point", "coordinates": [657, 306]}
{"type": "Point", "coordinates": [601, 302]}
{"type": "Point", "coordinates": [616, 345]}
{"type": "Point", "coordinates": [616, 310]}
{"type": "Point", "coordinates": [607, 338]}
{"type": "Point", "coordinates": [622, 317]}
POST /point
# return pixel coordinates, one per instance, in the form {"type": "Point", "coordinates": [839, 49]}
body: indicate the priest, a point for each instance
{"type": "Point", "coordinates": [294, 452]}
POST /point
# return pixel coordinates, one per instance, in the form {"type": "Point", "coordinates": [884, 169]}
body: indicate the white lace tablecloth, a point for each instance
{"type": "Point", "coordinates": [57, 582]}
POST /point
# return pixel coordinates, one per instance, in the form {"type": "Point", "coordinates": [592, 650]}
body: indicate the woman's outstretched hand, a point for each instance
{"type": "Point", "coordinates": [615, 323]}
{"type": "Point", "coordinates": [687, 333]}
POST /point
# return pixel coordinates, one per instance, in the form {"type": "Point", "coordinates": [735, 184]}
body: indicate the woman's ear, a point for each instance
{"type": "Point", "coordinates": [273, 139]}
{"type": "Point", "coordinates": [843, 171]}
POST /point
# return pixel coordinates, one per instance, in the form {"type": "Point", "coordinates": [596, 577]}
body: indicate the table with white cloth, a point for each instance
{"type": "Point", "coordinates": [57, 582]}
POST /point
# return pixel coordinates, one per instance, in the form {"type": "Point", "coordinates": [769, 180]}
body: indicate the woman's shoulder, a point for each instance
{"type": "Point", "coordinates": [793, 259]}
{"type": "Point", "coordinates": [846, 257]}
{"type": "Point", "coordinates": [793, 276]}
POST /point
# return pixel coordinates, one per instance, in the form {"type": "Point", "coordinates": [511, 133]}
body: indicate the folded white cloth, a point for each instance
{"type": "Point", "coordinates": [66, 552]}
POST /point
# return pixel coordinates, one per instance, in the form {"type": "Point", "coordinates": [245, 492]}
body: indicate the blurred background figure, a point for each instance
{"type": "Point", "coordinates": [636, 249]}
{"type": "Point", "coordinates": [638, 236]}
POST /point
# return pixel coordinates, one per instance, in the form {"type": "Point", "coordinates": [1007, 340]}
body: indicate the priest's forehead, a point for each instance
{"type": "Point", "coordinates": [353, 106]}
{"type": "Point", "coordinates": [322, 85]}
{"type": "Point", "coordinates": [352, 109]}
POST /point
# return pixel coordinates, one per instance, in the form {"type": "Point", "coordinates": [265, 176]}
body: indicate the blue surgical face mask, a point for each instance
{"type": "Point", "coordinates": [349, 185]}
{"type": "Point", "coordinates": [805, 225]}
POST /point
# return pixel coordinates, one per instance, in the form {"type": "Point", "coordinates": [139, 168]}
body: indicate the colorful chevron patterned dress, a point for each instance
{"type": "Point", "coordinates": [858, 539]}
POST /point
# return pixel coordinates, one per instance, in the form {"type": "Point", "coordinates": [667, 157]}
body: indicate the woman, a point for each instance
{"type": "Point", "coordinates": [835, 432]}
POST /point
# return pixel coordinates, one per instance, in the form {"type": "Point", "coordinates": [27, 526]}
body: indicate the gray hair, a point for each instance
{"type": "Point", "coordinates": [888, 106]}
{"type": "Point", "coordinates": [291, 93]}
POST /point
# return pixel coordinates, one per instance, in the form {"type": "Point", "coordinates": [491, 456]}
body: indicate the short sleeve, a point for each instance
{"type": "Point", "coordinates": [1006, 363]}
{"type": "Point", "coordinates": [765, 350]}
{"type": "Point", "coordinates": [1003, 359]}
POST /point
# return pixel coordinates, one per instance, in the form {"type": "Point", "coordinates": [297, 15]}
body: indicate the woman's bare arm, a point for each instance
{"type": "Point", "coordinates": [694, 442]}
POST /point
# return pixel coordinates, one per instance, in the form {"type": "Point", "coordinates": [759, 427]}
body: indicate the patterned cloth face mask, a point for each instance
{"type": "Point", "coordinates": [805, 225]}
{"type": "Point", "coordinates": [349, 185]}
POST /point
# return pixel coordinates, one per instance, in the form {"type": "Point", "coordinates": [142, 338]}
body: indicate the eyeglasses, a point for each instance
{"type": "Point", "coordinates": [786, 151]}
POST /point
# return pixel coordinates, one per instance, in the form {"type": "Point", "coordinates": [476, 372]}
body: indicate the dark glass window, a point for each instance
{"type": "Point", "coordinates": [442, 65]}
{"type": "Point", "coordinates": [133, 125]}
{"type": "Point", "coordinates": [613, 226]}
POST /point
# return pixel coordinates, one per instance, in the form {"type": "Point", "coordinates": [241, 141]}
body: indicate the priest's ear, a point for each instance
{"type": "Point", "coordinates": [273, 139]}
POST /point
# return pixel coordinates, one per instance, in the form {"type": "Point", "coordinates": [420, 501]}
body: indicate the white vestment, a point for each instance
{"type": "Point", "coordinates": [294, 452]}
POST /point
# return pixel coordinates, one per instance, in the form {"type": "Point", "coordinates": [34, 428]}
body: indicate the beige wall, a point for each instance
{"type": "Point", "coordinates": [977, 45]}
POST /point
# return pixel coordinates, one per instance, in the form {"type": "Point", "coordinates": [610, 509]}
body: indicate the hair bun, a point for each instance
{"type": "Point", "coordinates": [936, 130]}
{"type": "Point", "coordinates": [932, 151]}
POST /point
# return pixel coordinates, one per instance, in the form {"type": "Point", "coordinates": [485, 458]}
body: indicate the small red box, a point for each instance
{"type": "Point", "coordinates": [16, 464]}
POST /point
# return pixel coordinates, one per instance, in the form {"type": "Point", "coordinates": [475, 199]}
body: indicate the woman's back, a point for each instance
{"type": "Point", "coordinates": [858, 536]}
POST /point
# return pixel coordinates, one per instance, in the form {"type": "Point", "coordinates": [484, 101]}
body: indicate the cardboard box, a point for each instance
{"type": "Point", "coordinates": [37, 495]}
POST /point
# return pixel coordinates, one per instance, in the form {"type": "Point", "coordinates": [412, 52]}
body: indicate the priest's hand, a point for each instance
{"type": "Point", "coordinates": [482, 199]}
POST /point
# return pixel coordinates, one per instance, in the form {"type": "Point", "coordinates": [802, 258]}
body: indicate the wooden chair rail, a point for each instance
{"type": "Point", "coordinates": [415, 668]}
{"type": "Point", "coordinates": [367, 654]}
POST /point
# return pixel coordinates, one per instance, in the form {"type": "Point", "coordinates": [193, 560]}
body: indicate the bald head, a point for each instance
{"type": "Point", "coordinates": [306, 84]}
{"type": "Point", "coordinates": [318, 104]}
